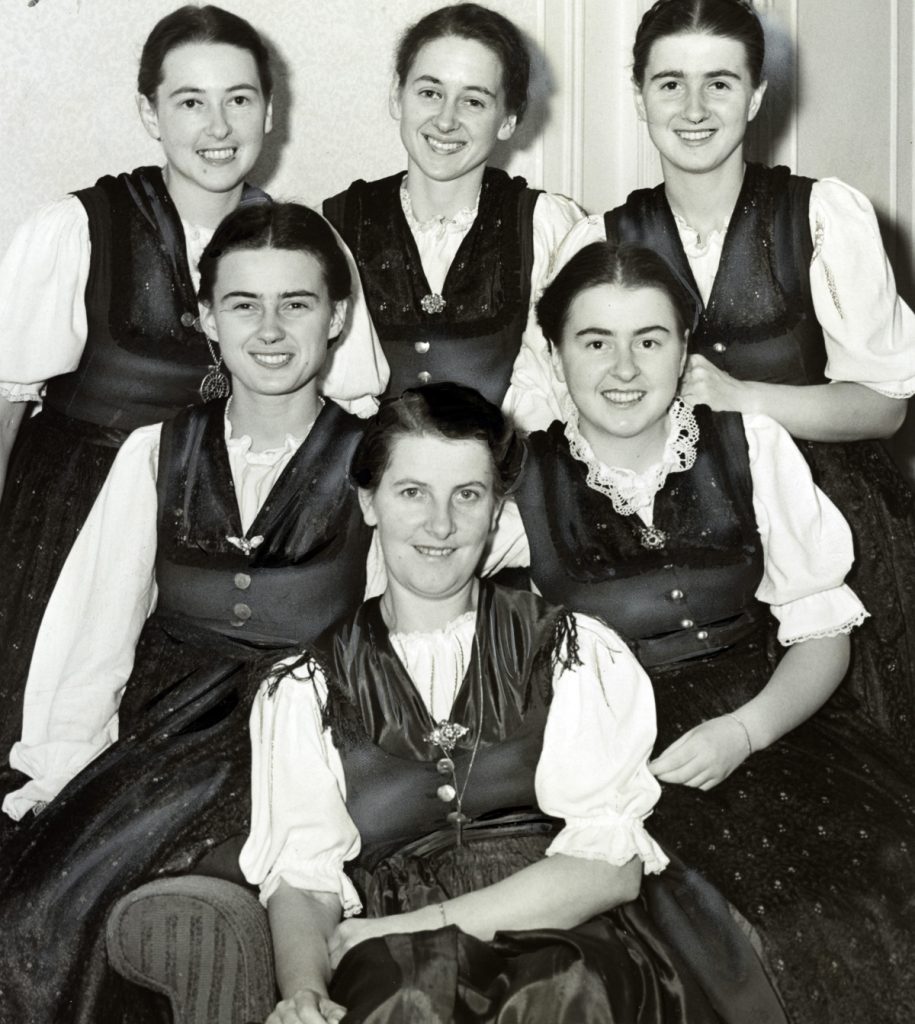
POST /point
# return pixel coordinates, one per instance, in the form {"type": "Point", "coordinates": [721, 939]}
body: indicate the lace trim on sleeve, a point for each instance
{"type": "Point", "coordinates": [843, 629]}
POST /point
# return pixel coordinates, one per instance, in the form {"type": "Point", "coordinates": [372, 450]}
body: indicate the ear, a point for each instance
{"type": "Point", "coordinates": [394, 99]}
{"type": "Point", "coordinates": [556, 362]}
{"type": "Point", "coordinates": [268, 118]}
{"type": "Point", "coordinates": [367, 504]}
{"type": "Point", "coordinates": [148, 116]}
{"type": "Point", "coordinates": [756, 100]}
{"type": "Point", "coordinates": [496, 512]}
{"type": "Point", "coordinates": [208, 320]}
{"type": "Point", "coordinates": [338, 318]}
{"type": "Point", "coordinates": [639, 101]}
{"type": "Point", "coordinates": [507, 128]}
{"type": "Point", "coordinates": [685, 353]}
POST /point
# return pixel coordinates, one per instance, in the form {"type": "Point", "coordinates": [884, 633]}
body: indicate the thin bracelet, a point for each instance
{"type": "Point", "coordinates": [746, 731]}
{"type": "Point", "coordinates": [441, 910]}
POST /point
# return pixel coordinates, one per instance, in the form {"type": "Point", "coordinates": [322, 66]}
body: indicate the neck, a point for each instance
{"type": "Point", "coordinates": [405, 612]}
{"type": "Point", "coordinates": [267, 419]}
{"type": "Point", "coordinates": [705, 201]}
{"type": "Point", "coordinates": [442, 198]}
{"type": "Point", "coordinates": [197, 206]}
{"type": "Point", "coordinates": [637, 453]}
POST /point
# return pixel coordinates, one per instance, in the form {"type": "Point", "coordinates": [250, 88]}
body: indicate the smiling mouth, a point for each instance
{"type": "Point", "coordinates": [624, 399]}
{"type": "Point", "coordinates": [272, 360]}
{"type": "Point", "coordinates": [433, 552]}
{"type": "Point", "coordinates": [695, 134]}
{"type": "Point", "coordinates": [218, 156]}
{"type": "Point", "coordinates": [443, 148]}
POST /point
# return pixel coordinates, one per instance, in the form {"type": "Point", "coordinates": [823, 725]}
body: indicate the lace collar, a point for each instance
{"type": "Point", "coordinates": [459, 223]}
{"type": "Point", "coordinates": [627, 490]}
{"type": "Point", "coordinates": [268, 457]}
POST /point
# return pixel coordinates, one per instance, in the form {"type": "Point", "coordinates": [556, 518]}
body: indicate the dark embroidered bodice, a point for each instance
{"type": "Point", "coordinates": [474, 338]}
{"type": "Point", "coordinates": [380, 722]}
{"type": "Point", "coordinates": [308, 570]}
{"type": "Point", "coordinates": [759, 323]}
{"type": "Point", "coordinates": [686, 599]}
{"type": "Point", "coordinates": [145, 354]}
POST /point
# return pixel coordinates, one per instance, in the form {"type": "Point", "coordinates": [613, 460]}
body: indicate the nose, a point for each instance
{"type": "Point", "coordinates": [625, 367]}
{"type": "Point", "coordinates": [271, 328]}
{"type": "Point", "coordinates": [440, 520]}
{"type": "Point", "coordinates": [694, 108]}
{"type": "Point", "coordinates": [445, 119]}
{"type": "Point", "coordinates": [218, 125]}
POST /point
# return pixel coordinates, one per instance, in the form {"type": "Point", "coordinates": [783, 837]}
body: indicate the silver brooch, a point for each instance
{"type": "Point", "coordinates": [244, 545]}
{"type": "Point", "coordinates": [652, 538]}
{"type": "Point", "coordinates": [432, 303]}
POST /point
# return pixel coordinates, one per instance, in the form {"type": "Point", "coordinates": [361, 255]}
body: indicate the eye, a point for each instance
{"type": "Point", "coordinates": [242, 306]}
{"type": "Point", "coordinates": [429, 94]}
{"type": "Point", "coordinates": [719, 85]}
{"type": "Point", "coordinates": [410, 492]}
{"type": "Point", "coordinates": [190, 103]}
{"type": "Point", "coordinates": [240, 101]}
{"type": "Point", "coordinates": [297, 306]}
{"type": "Point", "coordinates": [647, 343]}
{"type": "Point", "coordinates": [669, 85]}
{"type": "Point", "coordinates": [596, 344]}
{"type": "Point", "coordinates": [475, 104]}
{"type": "Point", "coordinates": [468, 495]}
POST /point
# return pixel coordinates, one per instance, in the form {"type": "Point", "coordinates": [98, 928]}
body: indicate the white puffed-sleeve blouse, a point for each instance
{"type": "Point", "coordinates": [869, 332]}
{"type": "Point", "coordinates": [593, 769]}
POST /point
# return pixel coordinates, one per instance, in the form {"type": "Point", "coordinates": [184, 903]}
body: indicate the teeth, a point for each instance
{"type": "Point", "coordinates": [443, 147]}
{"type": "Point", "coordinates": [623, 397]}
{"type": "Point", "coordinates": [271, 359]}
{"type": "Point", "coordinates": [434, 552]}
{"type": "Point", "coordinates": [216, 154]}
{"type": "Point", "coordinates": [696, 136]}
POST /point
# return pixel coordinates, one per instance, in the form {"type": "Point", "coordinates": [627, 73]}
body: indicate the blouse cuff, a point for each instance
{"type": "Point", "coordinates": [611, 838]}
{"type": "Point", "coordinates": [315, 878]}
{"type": "Point", "coordinates": [902, 389]}
{"type": "Point", "coordinates": [34, 793]}
{"type": "Point", "coordinates": [826, 613]}
{"type": "Point", "coordinates": [21, 392]}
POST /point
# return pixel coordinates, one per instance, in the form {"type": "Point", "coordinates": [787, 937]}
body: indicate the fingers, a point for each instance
{"type": "Point", "coordinates": [331, 1011]}
{"type": "Point", "coordinates": [307, 1007]}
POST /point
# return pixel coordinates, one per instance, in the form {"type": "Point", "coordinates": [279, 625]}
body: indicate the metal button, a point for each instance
{"type": "Point", "coordinates": [702, 634]}
{"type": "Point", "coordinates": [676, 594]}
{"type": "Point", "coordinates": [241, 611]}
{"type": "Point", "coordinates": [242, 580]}
{"type": "Point", "coordinates": [424, 377]}
{"type": "Point", "coordinates": [446, 793]}
{"type": "Point", "coordinates": [444, 766]}
{"type": "Point", "coordinates": [687, 623]}
{"type": "Point", "coordinates": [421, 346]}
{"type": "Point", "coordinates": [720, 346]}
{"type": "Point", "coordinates": [188, 319]}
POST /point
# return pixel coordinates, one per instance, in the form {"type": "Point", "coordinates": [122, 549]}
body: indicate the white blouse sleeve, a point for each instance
{"type": "Point", "coordinates": [356, 371]}
{"type": "Point", "coordinates": [869, 331]}
{"type": "Point", "coordinates": [85, 647]}
{"type": "Point", "coordinates": [508, 547]}
{"type": "Point", "coordinates": [807, 544]}
{"type": "Point", "coordinates": [42, 298]}
{"type": "Point", "coordinates": [560, 229]}
{"type": "Point", "coordinates": [301, 832]}
{"type": "Point", "coordinates": [593, 769]}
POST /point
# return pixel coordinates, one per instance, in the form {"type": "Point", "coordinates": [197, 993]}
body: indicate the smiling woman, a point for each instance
{"type": "Point", "coordinates": [451, 251]}
{"type": "Point", "coordinates": [229, 531]}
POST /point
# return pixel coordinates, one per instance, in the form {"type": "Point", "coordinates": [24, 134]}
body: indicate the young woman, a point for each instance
{"type": "Point", "coordinates": [800, 317]}
{"type": "Point", "coordinates": [98, 296]}
{"type": "Point", "coordinates": [221, 535]}
{"type": "Point", "coordinates": [680, 526]}
{"type": "Point", "coordinates": [452, 251]}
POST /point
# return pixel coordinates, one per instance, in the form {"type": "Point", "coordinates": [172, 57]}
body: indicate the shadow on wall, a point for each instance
{"type": "Point", "coordinates": [277, 140]}
{"type": "Point", "coordinates": [537, 115]}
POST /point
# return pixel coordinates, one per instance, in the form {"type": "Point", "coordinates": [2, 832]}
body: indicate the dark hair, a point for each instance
{"type": "Point", "coordinates": [734, 19]}
{"type": "Point", "coordinates": [209, 24]}
{"type": "Point", "coordinates": [471, 21]}
{"type": "Point", "coordinates": [268, 225]}
{"type": "Point", "coordinates": [450, 411]}
{"type": "Point", "coordinates": [625, 265]}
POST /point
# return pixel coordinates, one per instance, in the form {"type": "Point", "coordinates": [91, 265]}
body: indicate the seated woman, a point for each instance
{"type": "Point", "coordinates": [227, 532]}
{"type": "Point", "coordinates": [403, 765]}
{"type": "Point", "coordinates": [452, 252]}
{"type": "Point", "coordinates": [680, 526]}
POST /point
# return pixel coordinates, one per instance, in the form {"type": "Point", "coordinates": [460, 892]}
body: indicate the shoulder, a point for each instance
{"type": "Point", "coordinates": [556, 213]}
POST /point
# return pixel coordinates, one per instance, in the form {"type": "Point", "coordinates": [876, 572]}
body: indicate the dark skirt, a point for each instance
{"type": "Point", "coordinates": [869, 490]}
{"type": "Point", "coordinates": [169, 791]}
{"type": "Point", "coordinates": [54, 476]}
{"type": "Point", "coordinates": [811, 839]}
{"type": "Point", "coordinates": [621, 967]}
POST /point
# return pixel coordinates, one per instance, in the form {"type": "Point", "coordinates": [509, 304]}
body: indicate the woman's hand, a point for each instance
{"type": "Point", "coordinates": [704, 384]}
{"type": "Point", "coordinates": [354, 930]}
{"type": "Point", "coordinates": [704, 756]}
{"type": "Point", "coordinates": [307, 1006]}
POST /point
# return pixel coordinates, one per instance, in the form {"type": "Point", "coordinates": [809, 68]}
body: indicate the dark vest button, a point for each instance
{"type": "Point", "coordinates": [188, 319]}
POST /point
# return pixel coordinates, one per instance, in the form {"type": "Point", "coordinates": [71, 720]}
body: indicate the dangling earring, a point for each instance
{"type": "Point", "coordinates": [215, 383]}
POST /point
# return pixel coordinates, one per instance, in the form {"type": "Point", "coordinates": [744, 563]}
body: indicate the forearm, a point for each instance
{"type": "Point", "coordinates": [842, 411]}
{"type": "Point", "coordinates": [555, 892]}
{"type": "Point", "coordinates": [11, 416]}
{"type": "Point", "coordinates": [803, 681]}
{"type": "Point", "coordinates": [301, 924]}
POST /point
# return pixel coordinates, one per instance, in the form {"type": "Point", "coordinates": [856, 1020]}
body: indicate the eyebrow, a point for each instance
{"type": "Point", "coordinates": [606, 333]}
{"type": "Point", "coordinates": [721, 73]}
{"type": "Point", "coordinates": [423, 483]}
{"type": "Point", "coordinates": [239, 294]}
{"type": "Point", "coordinates": [467, 88]}
{"type": "Point", "coordinates": [195, 90]}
